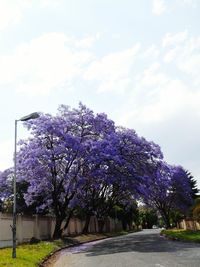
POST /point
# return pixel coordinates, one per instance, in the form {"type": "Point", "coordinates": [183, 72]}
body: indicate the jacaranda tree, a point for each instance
{"type": "Point", "coordinates": [53, 160]}
{"type": "Point", "coordinates": [167, 188]}
{"type": "Point", "coordinates": [114, 172]}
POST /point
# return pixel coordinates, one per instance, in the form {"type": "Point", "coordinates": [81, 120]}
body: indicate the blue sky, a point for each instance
{"type": "Point", "coordinates": [137, 61]}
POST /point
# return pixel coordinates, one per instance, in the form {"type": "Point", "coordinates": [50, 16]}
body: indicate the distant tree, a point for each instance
{"type": "Point", "coordinates": [196, 209]}
{"type": "Point", "coordinates": [167, 188]}
{"type": "Point", "coordinates": [193, 184]}
{"type": "Point", "coordinates": [148, 217]}
{"type": "Point", "coordinates": [175, 217]}
{"type": "Point", "coordinates": [127, 214]}
{"type": "Point", "coordinates": [181, 190]}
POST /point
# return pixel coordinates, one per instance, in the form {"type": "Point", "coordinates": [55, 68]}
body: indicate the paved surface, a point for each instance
{"type": "Point", "coordinates": [142, 249]}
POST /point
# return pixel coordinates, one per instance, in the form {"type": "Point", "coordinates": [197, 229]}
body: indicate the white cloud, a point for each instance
{"type": "Point", "coordinates": [113, 70]}
{"type": "Point", "coordinates": [159, 103]}
{"type": "Point", "coordinates": [172, 99]}
{"type": "Point", "coordinates": [174, 39]}
{"type": "Point", "coordinates": [117, 85]}
{"type": "Point", "coordinates": [190, 3]}
{"type": "Point", "coordinates": [10, 13]}
{"type": "Point", "coordinates": [170, 83]}
{"type": "Point", "coordinates": [153, 76]}
{"type": "Point", "coordinates": [170, 55]}
{"type": "Point", "coordinates": [5, 154]}
{"type": "Point", "coordinates": [88, 41]}
{"type": "Point", "coordinates": [184, 52]}
{"type": "Point", "coordinates": [159, 7]}
{"type": "Point", "coordinates": [151, 52]}
{"type": "Point", "coordinates": [43, 64]}
{"type": "Point", "coordinates": [50, 3]}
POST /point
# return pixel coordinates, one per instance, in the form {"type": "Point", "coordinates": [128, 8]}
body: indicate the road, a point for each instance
{"type": "Point", "coordinates": [142, 249]}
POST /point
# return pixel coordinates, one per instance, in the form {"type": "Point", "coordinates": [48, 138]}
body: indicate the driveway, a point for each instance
{"type": "Point", "coordinates": [142, 249]}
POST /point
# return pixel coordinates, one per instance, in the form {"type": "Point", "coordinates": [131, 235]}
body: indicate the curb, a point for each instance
{"type": "Point", "coordinates": [179, 239]}
{"type": "Point", "coordinates": [171, 238]}
{"type": "Point", "coordinates": [45, 260]}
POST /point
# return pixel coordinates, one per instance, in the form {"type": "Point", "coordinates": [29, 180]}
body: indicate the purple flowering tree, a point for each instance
{"type": "Point", "coordinates": [117, 165]}
{"type": "Point", "coordinates": [181, 190]}
{"type": "Point", "coordinates": [6, 194]}
{"type": "Point", "coordinates": [6, 191]}
{"type": "Point", "coordinates": [166, 188]}
{"type": "Point", "coordinates": [54, 158]}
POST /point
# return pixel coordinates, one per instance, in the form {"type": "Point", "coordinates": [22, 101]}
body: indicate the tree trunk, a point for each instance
{"type": "Point", "coordinates": [58, 231]}
{"type": "Point", "coordinates": [166, 219]}
{"type": "Point", "coordinates": [68, 219]}
{"type": "Point", "coordinates": [86, 226]}
{"type": "Point", "coordinates": [124, 225]}
{"type": "Point", "coordinates": [130, 225]}
{"type": "Point", "coordinates": [101, 224]}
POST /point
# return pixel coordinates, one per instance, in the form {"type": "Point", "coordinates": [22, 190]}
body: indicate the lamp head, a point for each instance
{"type": "Point", "coordinates": [33, 115]}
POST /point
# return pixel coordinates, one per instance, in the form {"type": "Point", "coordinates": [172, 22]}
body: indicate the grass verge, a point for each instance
{"type": "Point", "coordinates": [185, 235]}
{"type": "Point", "coordinates": [27, 255]}
{"type": "Point", "coordinates": [33, 255]}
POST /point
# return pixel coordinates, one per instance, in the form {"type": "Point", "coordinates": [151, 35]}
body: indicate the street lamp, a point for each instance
{"type": "Point", "coordinates": [25, 118]}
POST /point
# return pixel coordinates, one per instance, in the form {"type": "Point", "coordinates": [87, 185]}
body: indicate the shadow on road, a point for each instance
{"type": "Point", "coordinates": [144, 243]}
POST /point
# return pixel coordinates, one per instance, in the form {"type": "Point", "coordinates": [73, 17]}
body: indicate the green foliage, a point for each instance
{"type": "Point", "coordinates": [126, 214]}
{"type": "Point", "coordinates": [187, 235]}
{"type": "Point", "coordinates": [148, 217]}
{"type": "Point", "coordinates": [175, 216]}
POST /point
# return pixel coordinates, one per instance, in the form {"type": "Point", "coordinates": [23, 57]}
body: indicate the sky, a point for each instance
{"type": "Point", "coordinates": [136, 61]}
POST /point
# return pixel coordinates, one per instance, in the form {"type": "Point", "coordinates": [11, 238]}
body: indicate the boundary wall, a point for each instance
{"type": "Point", "coordinates": [189, 224]}
{"type": "Point", "coordinates": [42, 227]}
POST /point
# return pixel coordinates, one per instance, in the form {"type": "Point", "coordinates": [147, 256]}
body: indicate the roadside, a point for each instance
{"type": "Point", "coordinates": [142, 249]}
{"type": "Point", "coordinates": [44, 252]}
{"type": "Point", "coordinates": [182, 235]}
{"type": "Point", "coordinates": [77, 240]}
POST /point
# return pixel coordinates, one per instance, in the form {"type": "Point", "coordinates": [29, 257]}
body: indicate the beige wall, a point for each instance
{"type": "Point", "coordinates": [42, 227]}
{"type": "Point", "coordinates": [5, 230]}
{"type": "Point", "coordinates": [189, 224]}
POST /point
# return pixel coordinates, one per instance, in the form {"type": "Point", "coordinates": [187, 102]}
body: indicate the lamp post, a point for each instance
{"type": "Point", "coordinates": [25, 118]}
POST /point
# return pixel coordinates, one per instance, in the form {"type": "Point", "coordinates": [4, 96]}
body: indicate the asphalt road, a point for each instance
{"type": "Point", "coordinates": [142, 249]}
